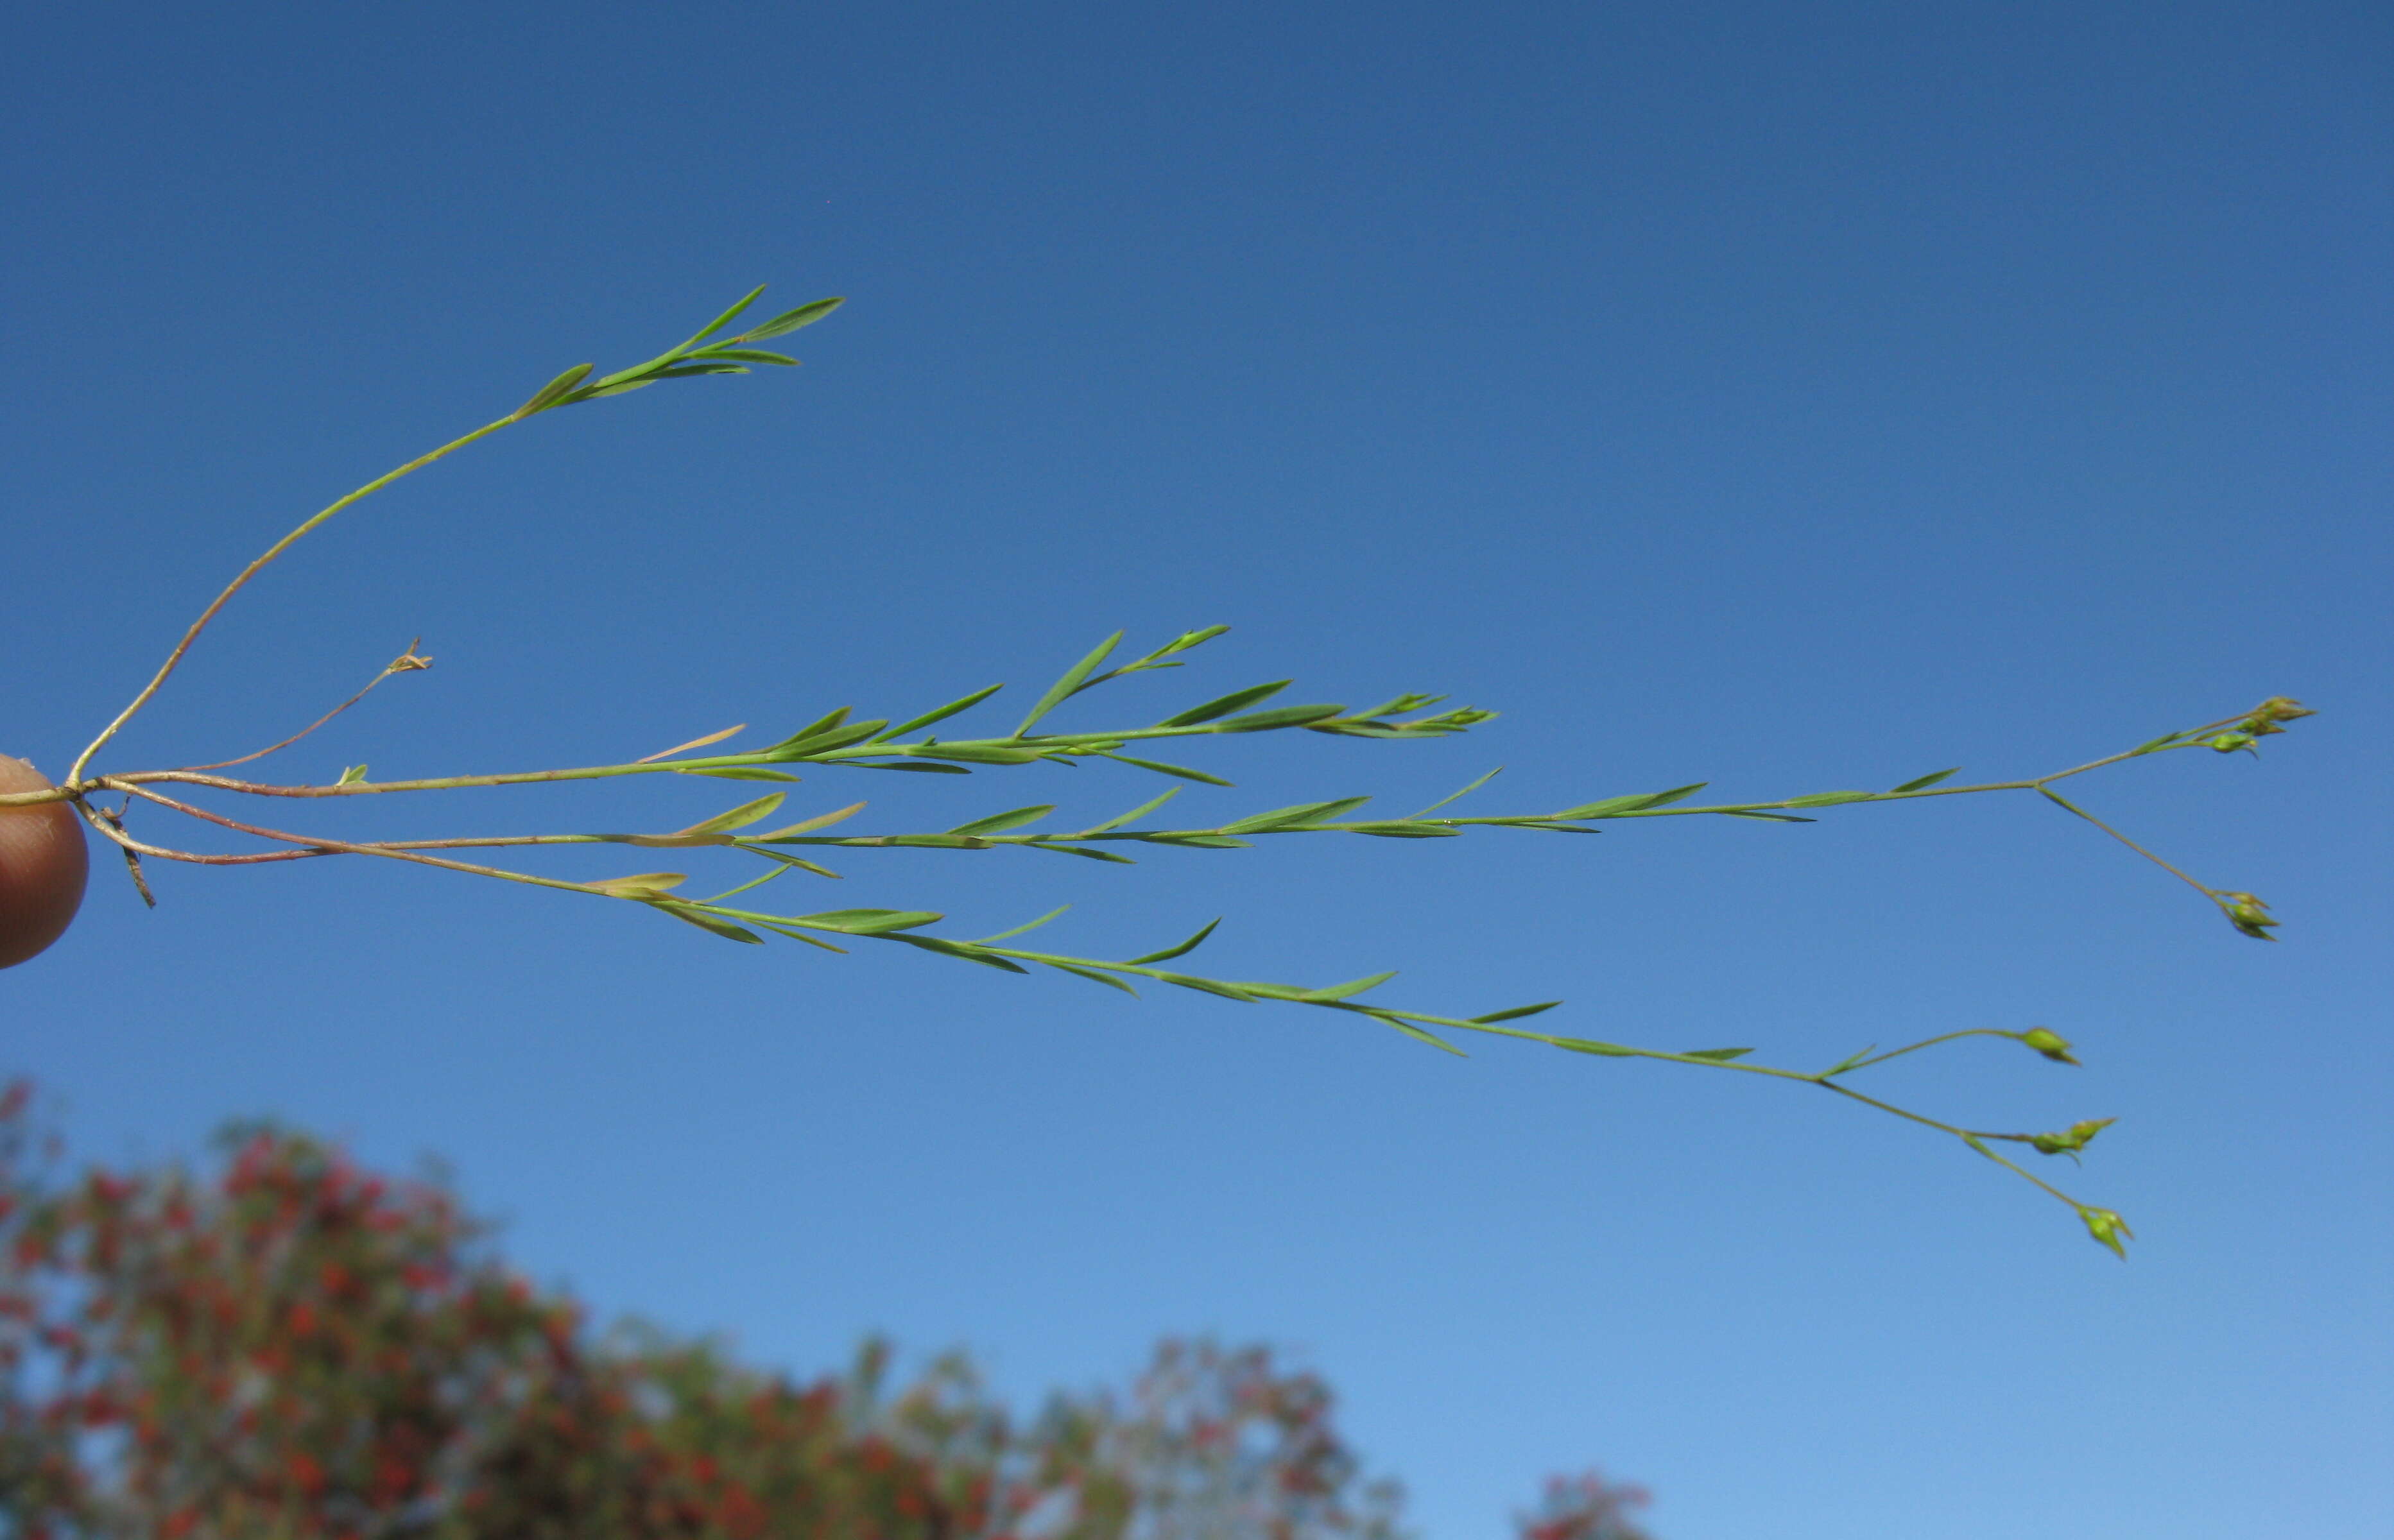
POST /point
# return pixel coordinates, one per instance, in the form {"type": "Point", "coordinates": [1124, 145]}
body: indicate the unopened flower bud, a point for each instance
{"type": "Point", "coordinates": [2228, 742]}
{"type": "Point", "coordinates": [2050, 1043]}
{"type": "Point", "coordinates": [2107, 1227]}
{"type": "Point", "coordinates": [2248, 914]}
{"type": "Point", "coordinates": [2073, 1140]}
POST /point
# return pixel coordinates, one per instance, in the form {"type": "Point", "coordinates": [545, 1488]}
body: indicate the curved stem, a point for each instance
{"type": "Point", "coordinates": [174, 659]}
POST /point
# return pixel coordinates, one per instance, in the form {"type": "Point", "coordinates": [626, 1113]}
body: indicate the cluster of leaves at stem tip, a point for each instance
{"type": "Point", "coordinates": [841, 741]}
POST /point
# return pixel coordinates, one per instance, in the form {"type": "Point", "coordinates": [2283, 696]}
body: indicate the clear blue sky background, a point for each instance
{"type": "Point", "coordinates": [1797, 397]}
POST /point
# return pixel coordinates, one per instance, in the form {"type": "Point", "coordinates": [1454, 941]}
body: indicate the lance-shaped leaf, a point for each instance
{"type": "Point", "coordinates": [1410, 829]}
{"type": "Point", "coordinates": [1828, 800]}
{"type": "Point", "coordinates": [1192, 944]}
{"type": "Point", "coordinates": [1093, 977]}
{"type": "Point", "coordinates": [1614, 807]}
{"type": "Point", "coordinates": [1049, 844]}
{"type": "Point", "coordinates": [746, 355]}
{"type": "Point", "coordinates": [1922, 782]}
{"type": "Point", "coordinates": [1294, 817]}
{"type": "Point", "coordinates": [820, 821]}
{"type": "Point", "coordinates": [1070, 685]}
{"type": "Point", "coordinates": [695, 742]}
{"type": "Point", "coordinates": [965, 950]}
{"type": "Point", "coordinates": [713, 925]}
{"type": "Point", "coordinates": [1842, 1065]}
{"type": "Point", "coordinates": [1237, 699]}
{"type": "Point", "coordinates": [737, 817]}
{"type": "Point", "coordinates": [1278, 717]}
{"type": "Point", "coordinates": [975, 752]}
{"type": "Point", "coordinates": [742, 773]}
{"type": "Point", "coordinates": [1205, 986]}
{"type": "Point", "coordinates": [554, 392]}
{"type": "Point", "coordinates": [869, 922]}
{"type": "Point", "coordinates": [726, 319]}
{"type": "Point", "coordinates": [1020, 929]}
{"type": "Point", "coordinates": [796, 935]}
{"type": "Point", "coordinates": [1159, 768]}
{"type": "Point", "coordinates": [997, 824]}
{"type": "Point", "coordinates": [1589, 1045]}
{"type": "Point", "coordinates": [1456, 796]}
{"type": "Point", "coordinates": [1120, 818]}
{"type": "Point", "coordinates": [1515, 1014]}
{"type": "Point", "coordinates": [790, 321]}
{"type": "Point", "coordinates": [962, 704]}
{"type": "Point", "coordinates": [1350, 988]}
{"type": "Point", "coordinates": [824, 743]}
{"type": "Point", "coordinates": [640, 883]}
{"type": "Point", "coordinates": [1718, 1055]}
{"type": "Point", "coordinates": [1417, 1034]}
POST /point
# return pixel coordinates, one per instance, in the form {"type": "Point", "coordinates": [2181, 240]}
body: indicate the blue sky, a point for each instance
{"type": "Point", "coordinates": [1792, 397]}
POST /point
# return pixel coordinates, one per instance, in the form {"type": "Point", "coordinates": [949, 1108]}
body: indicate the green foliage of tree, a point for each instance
{"type": "Point", "coordinates": [290, 1347]}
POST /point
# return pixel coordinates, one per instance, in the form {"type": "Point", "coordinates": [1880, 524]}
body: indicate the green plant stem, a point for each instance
{"type": "Point", "coordinates": [174, 658]}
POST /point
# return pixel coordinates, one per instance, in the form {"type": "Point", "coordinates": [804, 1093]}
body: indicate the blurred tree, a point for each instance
{"type": "Point", "coordinates": [292, 1347]}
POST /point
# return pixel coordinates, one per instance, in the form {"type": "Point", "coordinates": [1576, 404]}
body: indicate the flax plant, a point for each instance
{"type": "Point", "coordinates": [841, 741]}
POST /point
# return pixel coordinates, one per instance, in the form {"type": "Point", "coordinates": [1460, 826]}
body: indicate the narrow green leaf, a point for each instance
{"type": "Point", "coordinates": [1766, 818]}
{"type": "Point", "coordinates": [1278, 717]}
{"type": "Point", "coordinates": [1294, 817]}
{"type": "Point", "coordinates": [916, 766]}
{"type": "Point", "coordinates": [825, 743]}
{"type": "Point", "coordinates": [1405, 829]}
{"type": "Point", "coordinates": [1922, 782]}
{"type": "Point", "coordinates": [726, 319]}
{"type": "Point", "coordinates": [788, 860]}
{"type": "Point", "coordinates": [997, 824]}
{"type": "Point", "coordinates": [977, 752]}
{"type": "Point", "coordinates": [1456, 796]}
{"type": "Point", "coordinates": [1588, 1044]}
{"type": "Point", "coordinates": [1159, 768]}
{"type": "Point", "coordinates": [965, 950]}
{"type": "Point", "coordinates": [1842, 1065]}
{"type": "Point", "coordinates": [1020, 929]}
{"type": "Point", "coordinates": [1205, 986]}
{"type": "Point", "coordinates": [1135, 814]}
{"type": "Point", "coordinates": [1515, 1014]}
{"type": "Point", "coordinates": [746, 355]}
{"type": "Point", "coordinates": [962, 704]}
{"type": "Point", "coordinates": [1237, 699]}
{"type": "Point", "coordinates": [1614, 807]}
{"type": "Point", "coordinates": [743, 772]}
{"type": "Point", "coordinates": [801, 936]}
{"type": "Point", "coordinates": [554, 392]}
{"type": "Point", "coordinates": [1095, 976]}
{"type": "Point", "coordinates": [937, 842]}
{"type": "Point", "coordinates": [1829, 799]}
{"type": "Point", "coordinates": [1201, 842]}
{"type": "Point", "coordinates": [1081, 851]}
{"type": "Point", "coordinates": [820, 821]}
{"type": "Point", "coordinates": [596, 391]}
{"type": "Point", "coordinates": [1183, 950]}
{"type": "Point", "coordinates": [687, 371]}
{"type": "Point", "coordinates": [738, 818]}
{"type": "Point", "coordinates": [1718, 1055]}
{"type": "Point", "coordinates": [1418, 1034]}
{"type": "Point", "coordinates": [870, 922]}
{"type": "Point", "coordinates": [1065, 687]}
{"type": "Point", "coordinates": [1351, 987]}
{"type": "Point", "coordinates": [708, 923]}
{"type": "Point", "coordinates": [643, 882]}
{"type": "Point", "coordinates": [352, 775]}
{"type": "Point", "coordinates": [823, 724]}
{"type": "Point", "coordinates": [790, 321]}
